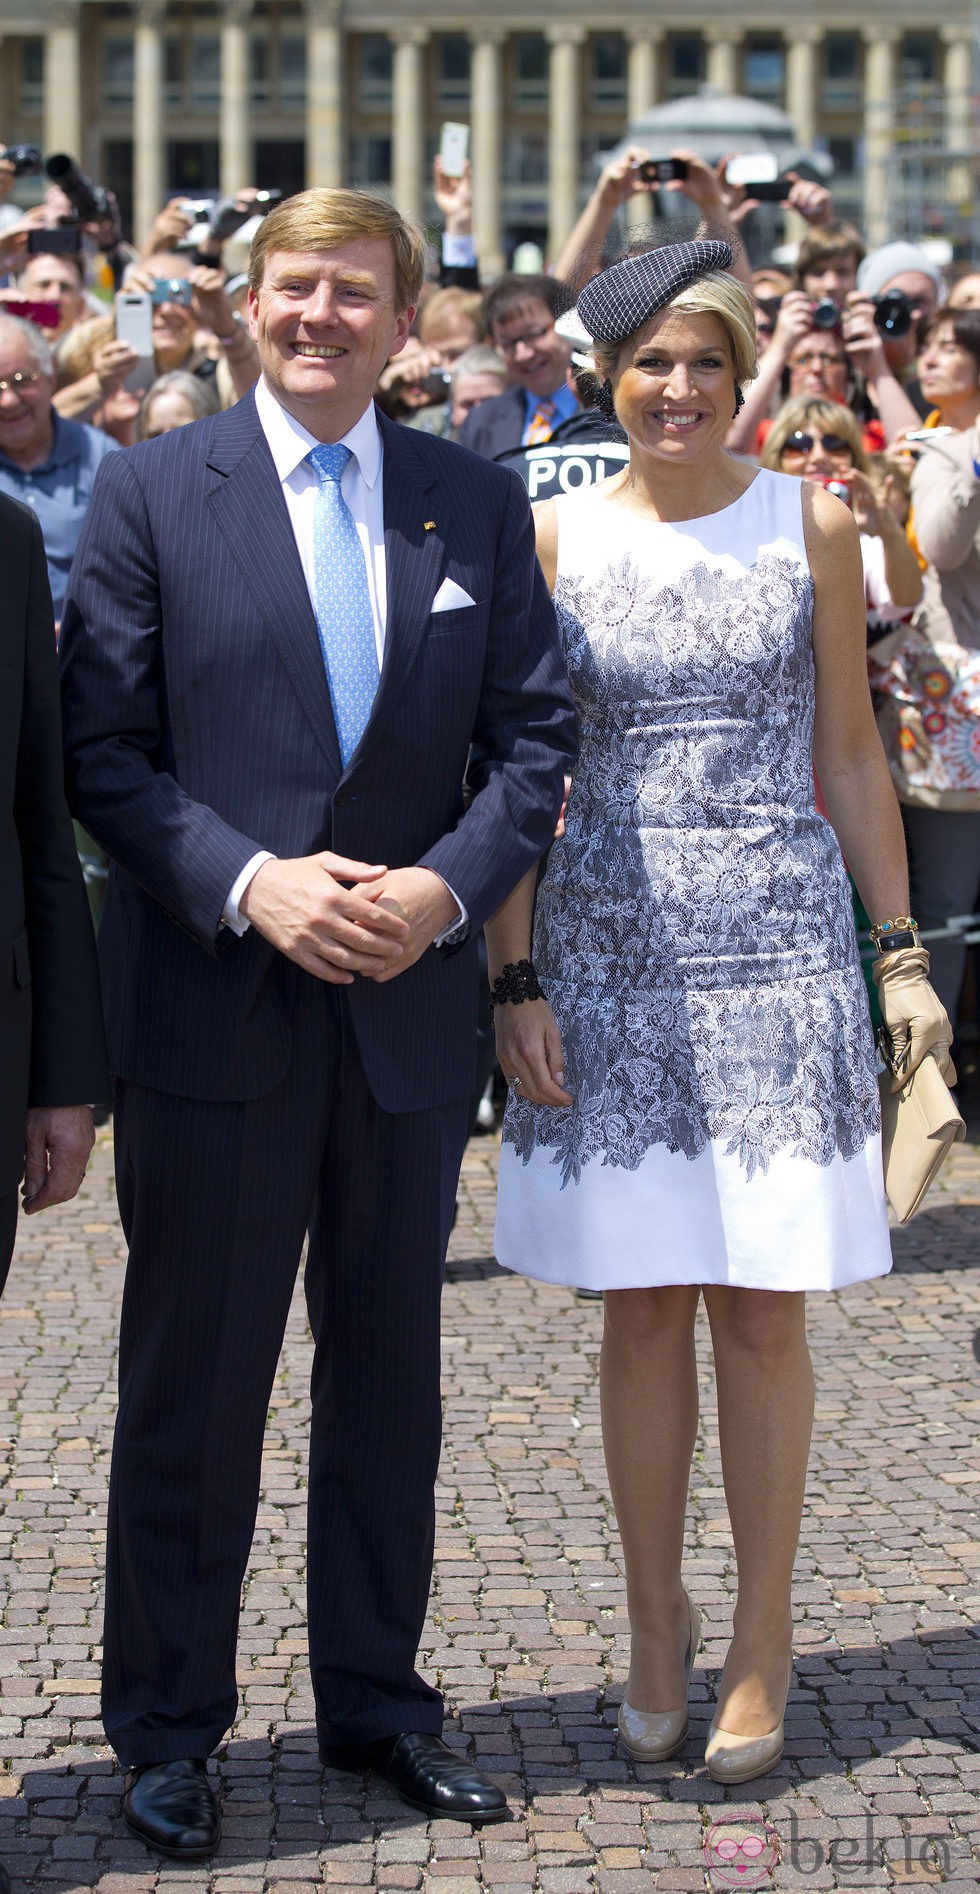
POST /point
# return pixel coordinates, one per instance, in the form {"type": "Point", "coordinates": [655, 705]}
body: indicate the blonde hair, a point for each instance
{"type": "Point", "coordinates": [451, 302]}
{"type": "Point", "coordinates": [715, 294]}
{"type": "Point", "coordinates": [323, 219]}
{"type": "Point", "coordinates": [801, 415]}
{"type": "Point", "coordinates": [75, 353]}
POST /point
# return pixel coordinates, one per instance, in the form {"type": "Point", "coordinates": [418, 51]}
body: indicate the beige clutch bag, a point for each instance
{"type": "Point", "coordinates": [919, 1125]}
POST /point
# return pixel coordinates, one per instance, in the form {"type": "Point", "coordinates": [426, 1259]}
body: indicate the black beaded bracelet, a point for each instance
{"type": "Point", "coordinates": [516, 982]}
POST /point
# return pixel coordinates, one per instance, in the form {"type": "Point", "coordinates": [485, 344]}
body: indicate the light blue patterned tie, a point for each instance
{"type": "Point", "coordinates": [342, 602]}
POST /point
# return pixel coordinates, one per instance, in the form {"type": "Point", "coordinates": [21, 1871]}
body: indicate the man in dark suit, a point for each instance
{"type": "Point", "coordinates": [519, 315]}
{"type": "Point", "coordinates": [52, 1048]}
{"type": "Point", "coordinates": [289, 944]}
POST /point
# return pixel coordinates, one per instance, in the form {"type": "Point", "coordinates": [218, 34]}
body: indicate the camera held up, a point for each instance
{"type": "Point", "coordinates": [90, 202]}
{"type": "Point", "coordinates": [892, 314]}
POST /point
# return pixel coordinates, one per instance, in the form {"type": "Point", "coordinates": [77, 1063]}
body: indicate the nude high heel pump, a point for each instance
{"type": "Point", "coordinates": [652, 1735]}
{"type": "Point", "coordinates": [732, 1758]}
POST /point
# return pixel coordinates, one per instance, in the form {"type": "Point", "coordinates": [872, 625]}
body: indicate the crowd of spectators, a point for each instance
{"type": "Point", "coordinates": [868, 381]}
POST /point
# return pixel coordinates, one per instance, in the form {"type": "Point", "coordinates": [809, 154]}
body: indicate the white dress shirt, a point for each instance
{"type": "Point", "coordinates": [290, 444]}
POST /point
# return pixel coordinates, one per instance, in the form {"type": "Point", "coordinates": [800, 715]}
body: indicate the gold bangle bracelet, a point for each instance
{"type": "Point", "coordinates": [902, 924]}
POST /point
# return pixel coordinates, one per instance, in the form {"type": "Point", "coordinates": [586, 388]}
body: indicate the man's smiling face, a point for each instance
{"type": "Point", "coordinates": [325, 324]}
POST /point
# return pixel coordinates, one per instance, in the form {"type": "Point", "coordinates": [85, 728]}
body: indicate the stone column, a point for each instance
{"type": "Point", "coordinates": [234, 130]}
{"type": "Point", "coordinates": [879, 123]}
{"type": "Point", "coordinates": [801, 80]}
{"type": "Point", "coordinates": [801, 102]}
{"type": "Point", "coordinates": [642, 92]}
{"type": "Point", "coordinates": [563, 133]}
{"type": "Point", "coordinates": [408, 122]}
{"type": "Point", "coordinates": [723, 59]}
{"type": "Point", "coordinates": [324, 93]}
{"type": "Point", "coordinates": [485, 122]}
{"type": "Point", "coordinates": [643, 73]}
{"type": "Point", "coordinates": [959, 88]}
{"type": "Point", "coordinates": [63, 129]}
{"type": "Point", "coordinates": [148, 165]}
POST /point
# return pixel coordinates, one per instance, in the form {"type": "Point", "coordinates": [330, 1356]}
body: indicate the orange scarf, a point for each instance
{"type": "Point", "coordinates": [932, 420]}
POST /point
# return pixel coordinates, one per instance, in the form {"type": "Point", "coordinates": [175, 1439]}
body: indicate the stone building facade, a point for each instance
{"type": "Point", "coordinates": [157, 96]}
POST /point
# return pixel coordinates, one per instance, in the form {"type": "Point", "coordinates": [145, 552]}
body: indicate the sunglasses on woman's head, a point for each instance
{"type": "Point", "coordinates": [800, 443]}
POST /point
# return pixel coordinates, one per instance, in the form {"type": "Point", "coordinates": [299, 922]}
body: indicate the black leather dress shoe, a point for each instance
{"type": "Point", "coordinates": [427, 1774]}
{"type": "Point", "coordinates": [171, 1806]}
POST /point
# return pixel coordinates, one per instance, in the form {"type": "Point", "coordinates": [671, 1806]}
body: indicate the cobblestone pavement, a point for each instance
{"type": "Point", "coordinates": [527, 1631]}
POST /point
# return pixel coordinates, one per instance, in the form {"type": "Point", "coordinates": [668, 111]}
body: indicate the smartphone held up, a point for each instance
{"type": "Point", "coordinates": [454, 145]}
{"type": "Point", "coordinates": [134, 324]}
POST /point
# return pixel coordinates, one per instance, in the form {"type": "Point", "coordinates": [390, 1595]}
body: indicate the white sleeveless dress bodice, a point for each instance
{"type": "Point", "coordinates": [694, 930]}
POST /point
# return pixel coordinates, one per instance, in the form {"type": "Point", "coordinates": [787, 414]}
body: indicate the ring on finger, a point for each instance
{"type": "Point", "coordinates": [515, 1082]}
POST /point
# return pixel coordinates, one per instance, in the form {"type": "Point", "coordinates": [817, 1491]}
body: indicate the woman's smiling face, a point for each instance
{"type": "Point", "coordinates": [674, 385]}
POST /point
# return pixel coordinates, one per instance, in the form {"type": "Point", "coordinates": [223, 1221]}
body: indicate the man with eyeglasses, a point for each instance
{"type": "Point", "coordinates": [519, 314]}
{"type": "Point", "coordinates": [45, 461]}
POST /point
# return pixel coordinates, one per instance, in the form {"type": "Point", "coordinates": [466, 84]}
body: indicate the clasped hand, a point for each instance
{"type": "Point", "coordinates": [338, 918]}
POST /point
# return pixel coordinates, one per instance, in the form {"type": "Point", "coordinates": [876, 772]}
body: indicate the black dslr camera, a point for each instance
{"type": "Point", "coordinates": [89, 201]}
{"type": "Point", "coordinates": [893, 314]}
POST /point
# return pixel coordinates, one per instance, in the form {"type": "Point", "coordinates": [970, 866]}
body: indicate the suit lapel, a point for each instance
{"type": "Point", "coordinates": [249, 508]}
{"type": "Point", "coordinates": [415, 552]}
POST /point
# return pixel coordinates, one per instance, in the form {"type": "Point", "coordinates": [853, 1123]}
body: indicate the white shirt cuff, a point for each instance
{"type": "Point", "coordinates": [462, 919]}
{"type": "Point", "coordinates": [238, 923]}
{"type": "Point", "coordinates": [458, 252]}
{"type": "Point", "coordinates": [230, 916]}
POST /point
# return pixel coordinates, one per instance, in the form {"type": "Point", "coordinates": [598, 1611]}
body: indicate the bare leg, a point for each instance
{"type": "Point", "coordinates": [765, 1415]}
{"type": "Point", "coordinates": [649, 1391]}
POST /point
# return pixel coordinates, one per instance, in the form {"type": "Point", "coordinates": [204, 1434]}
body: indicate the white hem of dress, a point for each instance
{"type": "Point", "coordinates": [797, 1226]}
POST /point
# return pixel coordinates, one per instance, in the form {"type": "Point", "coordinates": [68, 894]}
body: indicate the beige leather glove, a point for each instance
{"type": "Point", "coordinates": [914, 1019]}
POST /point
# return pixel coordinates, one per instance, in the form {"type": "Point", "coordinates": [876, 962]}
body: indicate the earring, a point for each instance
{"type": "Point", "coordinates": [739, 402]}
{"type": "Point", "coordinates": [606, 405]}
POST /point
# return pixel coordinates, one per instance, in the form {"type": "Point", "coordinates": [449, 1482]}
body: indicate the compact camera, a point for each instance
{"type": "Point", "coordinates": [172, 289]}
{"type": "Point", "coordinates": [218, 218]}
{"type": "Point", "coordinates": [26, 159]}
{"type": "Point", "coordinates": [825, 314]}
{"type": "Point", "coordinates": [436, 383]}
{"type": "Point", "coordinates": [662, 170]}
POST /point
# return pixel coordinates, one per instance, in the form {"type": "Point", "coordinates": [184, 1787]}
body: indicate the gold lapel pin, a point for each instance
{"type": "Point", "coordinates": [428, 526]}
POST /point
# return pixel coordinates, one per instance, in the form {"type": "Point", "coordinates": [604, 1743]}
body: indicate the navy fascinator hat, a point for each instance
{"type": "Point", "coordinates": [629, 292]}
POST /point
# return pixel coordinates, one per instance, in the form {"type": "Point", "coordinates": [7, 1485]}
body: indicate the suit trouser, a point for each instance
{"type": "Point", "coordinates": [8, 1230]}
{"type": "Point", "coordinates": [215, 1201]}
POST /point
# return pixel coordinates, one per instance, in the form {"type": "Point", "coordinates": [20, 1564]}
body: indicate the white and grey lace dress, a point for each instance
{"type": "Point", "coordinates": [694, 930]}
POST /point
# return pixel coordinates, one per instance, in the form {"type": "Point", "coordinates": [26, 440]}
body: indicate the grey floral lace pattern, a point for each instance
{"type": "Point", "coordinates": [693, 928]}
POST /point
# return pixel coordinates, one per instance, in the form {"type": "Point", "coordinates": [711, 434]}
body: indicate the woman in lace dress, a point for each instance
{"type": "Point", "coordinates": [693, 1107]}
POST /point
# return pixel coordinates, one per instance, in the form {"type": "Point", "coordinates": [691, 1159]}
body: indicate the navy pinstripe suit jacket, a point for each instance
{"type": "Point", "coordinates": [198, 729]}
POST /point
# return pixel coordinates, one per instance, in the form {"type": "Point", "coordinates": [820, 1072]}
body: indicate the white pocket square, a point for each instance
{"type": "Point", "coordinates": [450, 597]}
